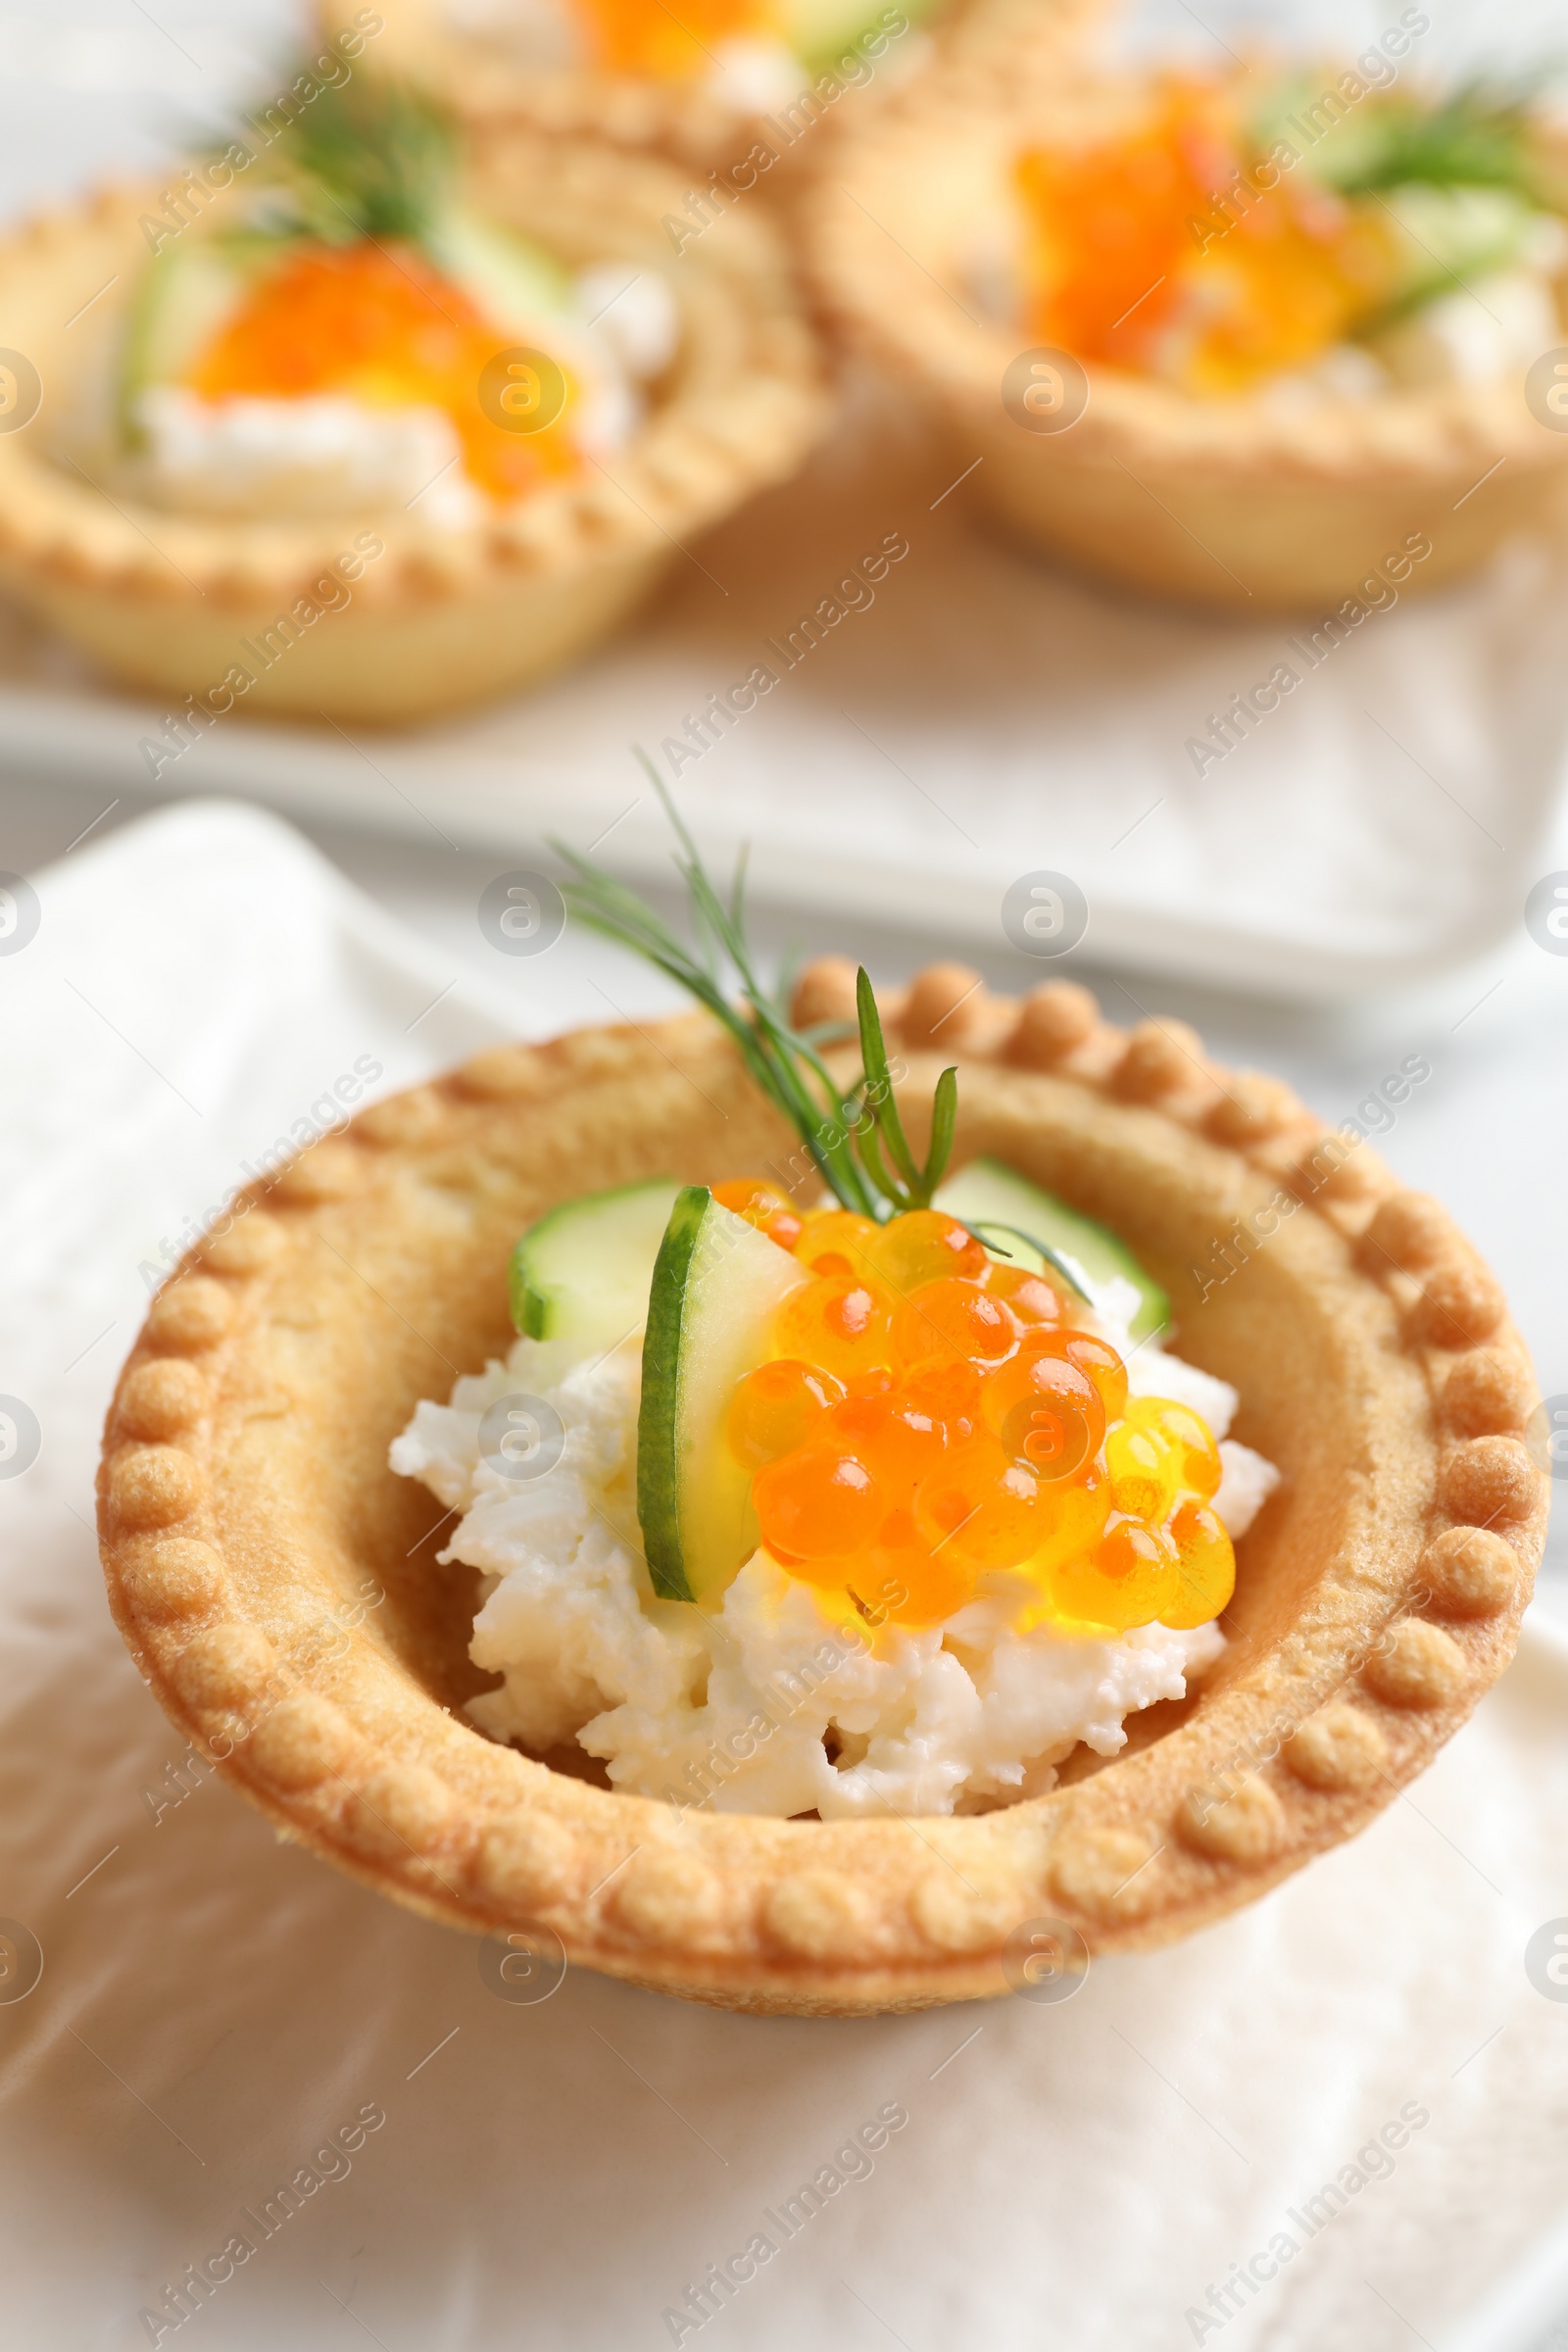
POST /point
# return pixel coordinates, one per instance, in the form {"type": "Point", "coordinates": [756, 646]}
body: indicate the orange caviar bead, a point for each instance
{"type": "Point", "coordinates": [385, 328]}
{"type": "Point", "coordinates": [902, 1579]}
{"type": "Point", "coordinates": [922, 1246]}
{"type": "Point", "coordinates": [952, 1320]}
{"type": "Point", "coordinates": [1145, 1472]}
{"type": "Point", "coordinates": [1096, 1357]}
{"type": "Point", "coordinates": [893, 1433]}
{"type": "Point", "coordinates": [1189, 1433]}
{"type": "Point", "coordinates": [653, 43]}
{"type": "Point", "coordinates": [817, 1504]}
{"type": "Point", "coordinates": [763, 1206]}
{"type": "Point", "coordinates": [1207, 1575]}
{"type": "Point", "coordinates": [992, 1512]}
{"type": "Point", "coordinates": [1132, 1577]}
{"type": "Point", "coordinates": [835, 1241]}
{"type": "Point", "coordinates": [1047, 1412]}
{"type": "Point", "coordinates": [949, 1393]}
{"type": "Point", "coordinates": [837, 1321]}
{"type": "Point", "coordinates": [830, 1574]}
{"type": "Point", "coordinates": [1079, 1508]}
{"type": "Point", "coordinates": [1159, 1451]}
{"type": "Point", "coordinates": [1030, 1298]}
{"type": "Point", "coordinates": [774, 1407]}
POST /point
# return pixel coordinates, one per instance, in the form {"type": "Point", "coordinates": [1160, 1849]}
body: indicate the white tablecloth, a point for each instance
{"type": "Point", "coordinates": [214, 2004]}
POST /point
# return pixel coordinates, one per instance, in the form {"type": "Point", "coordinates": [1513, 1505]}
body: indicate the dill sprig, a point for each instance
{"type": "Point", "coordinates": [381, 154]}
{"type": "Point", "coordinates": [363, 158]}
{"type": "Point", "coordinates": [1478, 134]}
{"type": "Point", "coordinates": [854, 1137]}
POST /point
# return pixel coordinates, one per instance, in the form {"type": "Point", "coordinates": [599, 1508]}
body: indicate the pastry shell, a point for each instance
{"type": "Point", "coordinates": [277, 1587]}
{"type": "Point", "coordinates": [1227, 503]}
{"type": "Point", "coordinates": [443, 617]}
{"type": "Point", "coordinates": [482, 77]}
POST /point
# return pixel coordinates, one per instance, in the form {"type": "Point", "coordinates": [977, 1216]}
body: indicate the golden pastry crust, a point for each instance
{"type": "Point", "coordinates": [250, 1522]}
{"type": "Point", "coordinates": [1222, 502]}
{"type": "Point", "coordinates": [481, 76]}
{"type": "Point", "coordinates": [442, 617]}
{"type": "Point", "coordinates": [485, 78]}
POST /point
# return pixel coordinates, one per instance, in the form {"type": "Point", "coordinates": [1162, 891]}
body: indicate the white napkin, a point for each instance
{"type": "Point", "coordinates": [214, 2005]}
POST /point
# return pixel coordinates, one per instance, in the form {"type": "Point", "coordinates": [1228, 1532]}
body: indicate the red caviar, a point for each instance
{"type": "Point", "coordinates": [386, 329]}
{"type": "Point", "coordinates": [762, 1205]}
{"type": "Point", "coordinates": [1030, 1298]}
{"type": "Point", "coordinates": [950, 1320]}
{"type": "Point", "coordinates": [931, 1417]}
{"type": "Point", "coordinates": [776, 1408]}
{"type": "Point", "coordinates": [1116, 273]}
{"type": "Point", "coordinates": [645, 39]}
{"type": "Point", "coordinates": [838, 1321]}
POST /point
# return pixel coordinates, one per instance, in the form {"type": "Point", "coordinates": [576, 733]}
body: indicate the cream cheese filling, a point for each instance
{"type": "Point", "coordinates": [780, 1699]}
{"type": "Point", "coordinates": [252, 457]}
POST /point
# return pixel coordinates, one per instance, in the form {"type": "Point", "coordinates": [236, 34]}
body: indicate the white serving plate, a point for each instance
{"type": "Point", "coordinates": [985, 717]}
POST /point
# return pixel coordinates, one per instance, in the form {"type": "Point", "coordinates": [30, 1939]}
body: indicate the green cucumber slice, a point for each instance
{"type": "Point", "coordinates": [990, 1194]}
{"type": "Point", "coordinates": [716, 1289]}
{"type": "Point", "coordinates": [185, 296]}
{"type": "Point", "coordinates": [583, 1271]}
{"type": "Point", "coordinates": [822, 31]}
{"type": "Point", "coordinates": [514, 281]}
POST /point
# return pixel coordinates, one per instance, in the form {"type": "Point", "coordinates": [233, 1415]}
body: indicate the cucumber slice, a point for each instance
{"type": "Point", "coordinates": [1449, 237]}
{"type": "Point", "coordinates": [717, 1287]}
{"type": "Point", "coordinates": [185, 296]}
{"type": "Point", "coordinates": [988, 1192]}
{"type": "Point", "coordinates": [514, 282]}
{"type": "Point", "coordinates": [583, 1271]}
{"type": "Point", "coordinates": [820, 30]}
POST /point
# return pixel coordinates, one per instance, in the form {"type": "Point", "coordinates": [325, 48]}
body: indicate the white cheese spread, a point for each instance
{"type": "Point", "coordinates": [780, 1700]}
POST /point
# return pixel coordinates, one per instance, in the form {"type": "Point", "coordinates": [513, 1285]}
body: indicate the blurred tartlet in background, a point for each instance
{"type": "Point", "coordinates": [710, 81]}
{"type": "Point", "coordinates": [1240, 340]}
{"type": "Point", "coordinates": [366, 418]}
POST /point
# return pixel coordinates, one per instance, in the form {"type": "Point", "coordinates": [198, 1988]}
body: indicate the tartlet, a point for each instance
{"type": "Point", "coordinates": [1237, 503]}
{"type": "Point", "coordinates": [275, 1582]}
{"type": "Point", "coordinates": [421, 617]}
{"type": "Point", "coordinates": [501, 61]}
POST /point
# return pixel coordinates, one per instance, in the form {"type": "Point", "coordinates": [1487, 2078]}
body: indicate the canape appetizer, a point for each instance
{"type": "Point", "coordinates": [840, 1572]}
{"type": "Point", "coordinates": [902, 1427]}
{"type": "Point", "coordinates": [1242, 339]}
{"type": "Point", "coordinates": [368, 423]}
{"type": "Point", "coordinates": [712, 85]}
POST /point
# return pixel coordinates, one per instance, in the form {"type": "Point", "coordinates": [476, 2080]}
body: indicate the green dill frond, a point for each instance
{"type": "Point", "coordinates": [854, 1137]}
{"type": "Point", "coordinates": [361, 158]}
{"type": "Point", "coordinates": [1478, 135]}
{"type": "Point", "coordinates": [369, 159]}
